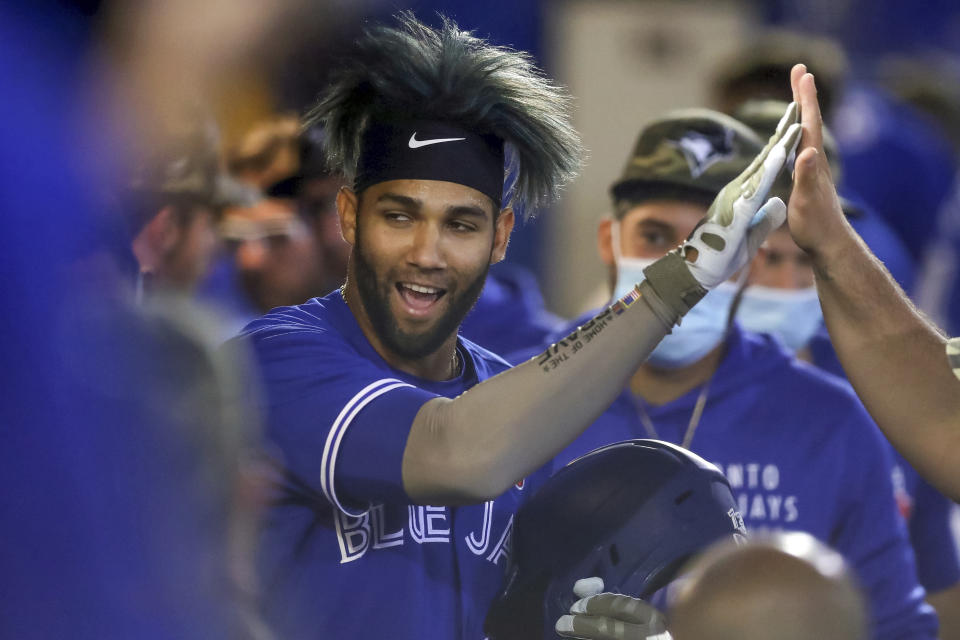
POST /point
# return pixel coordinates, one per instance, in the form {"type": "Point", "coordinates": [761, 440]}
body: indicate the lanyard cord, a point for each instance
{"type": "Point", "coordinates": [701, 402]}
{"type": "Point", "coordinates": [698, 408]}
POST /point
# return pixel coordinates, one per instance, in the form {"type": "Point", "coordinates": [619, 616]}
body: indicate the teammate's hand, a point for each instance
{"type": "Point", "coordinates": [610, 616]}
{"type": "Point", "coordinates": [814, 216]}
{"type": "Point", "coordinates": [736, 224]}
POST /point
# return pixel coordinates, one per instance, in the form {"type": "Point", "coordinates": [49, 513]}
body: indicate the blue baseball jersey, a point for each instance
{"type": "Point", "coordinates": [344, 551]}
{"type": "Point", "coordinates": [801, 454]}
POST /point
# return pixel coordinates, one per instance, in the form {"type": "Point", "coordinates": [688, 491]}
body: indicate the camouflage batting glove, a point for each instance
{"type": "Point", "coordinates": [741, 217]}
{"type": "Point", "coordinates": [610, 616]}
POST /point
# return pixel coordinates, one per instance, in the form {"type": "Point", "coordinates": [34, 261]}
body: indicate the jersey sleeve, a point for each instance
{"type": "Point", "coordinates": [339, 422]}
{"type": "Point", "coordinates": [932, 537]}
{"type": "Point", "coordinates": [873, 537]}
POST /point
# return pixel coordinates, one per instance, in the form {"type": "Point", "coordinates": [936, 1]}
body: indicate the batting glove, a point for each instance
{"type": "Point", "coordinates": [610, 616]}
{"type": "Point", "coordinates": [736, 224]}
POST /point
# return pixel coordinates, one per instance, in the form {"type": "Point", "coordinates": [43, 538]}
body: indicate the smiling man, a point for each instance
{"type": "Point", "coordinates": [405, 449]}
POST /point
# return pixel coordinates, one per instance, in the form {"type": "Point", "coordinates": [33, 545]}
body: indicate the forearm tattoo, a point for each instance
{"type": "Point", "coordinates": [565, 349]}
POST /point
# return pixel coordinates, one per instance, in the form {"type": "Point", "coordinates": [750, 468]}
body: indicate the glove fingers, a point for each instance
{"type": "Point", "coordinates": [588, 587]}
{"type": "Point", "coordinates": [757, 187]}
{"type": "Point", "coordinates": [770, 217]}
{"type": "Point", "coordinates": [790, 117]}
{"type": "Point", "coordinates": [618, 606]}
{"type": "Point", "coordinates": [600, 628]}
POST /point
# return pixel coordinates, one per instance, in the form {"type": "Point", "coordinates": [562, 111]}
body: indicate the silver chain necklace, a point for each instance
{"type": "Point", "coordinates": [701, 402]}
{"type": "Point", "coordinates": [651, 430]}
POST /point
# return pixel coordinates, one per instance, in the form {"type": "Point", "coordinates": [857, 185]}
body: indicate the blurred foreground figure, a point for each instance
{"type": "Point", "coordinates": [779, 586]}
{"type": "Point", "coordinates": [171, 203]}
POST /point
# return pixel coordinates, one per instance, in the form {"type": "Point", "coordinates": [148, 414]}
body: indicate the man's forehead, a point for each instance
{"type": "Point", "coordinates": [428, 194]}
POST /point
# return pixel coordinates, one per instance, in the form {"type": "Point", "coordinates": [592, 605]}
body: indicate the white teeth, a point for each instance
{"type": "Point", "coordinates": [421, 289]}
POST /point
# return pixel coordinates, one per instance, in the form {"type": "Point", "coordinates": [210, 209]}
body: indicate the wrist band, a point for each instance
{"type": "Point", "coordinates": [673, 283]}
{"type": "Point", "coordinates": [660, 309]}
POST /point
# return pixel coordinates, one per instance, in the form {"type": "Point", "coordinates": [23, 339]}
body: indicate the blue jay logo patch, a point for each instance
{"type": "Point", "coordinates": [703, 150]}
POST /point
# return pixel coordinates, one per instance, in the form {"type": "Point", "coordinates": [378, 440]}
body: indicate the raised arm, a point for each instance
{"type": "Point", "coordinates": [474, 447]}
{"type": "Point", "coordinates": [894, 357]}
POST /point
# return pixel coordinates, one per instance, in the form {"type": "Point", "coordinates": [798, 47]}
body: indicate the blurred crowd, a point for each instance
{"type": "Point", "coordinates": [173, 134]}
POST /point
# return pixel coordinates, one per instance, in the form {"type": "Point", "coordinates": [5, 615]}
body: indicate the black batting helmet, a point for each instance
{"type": "Point", "coordinates": [630, 513]}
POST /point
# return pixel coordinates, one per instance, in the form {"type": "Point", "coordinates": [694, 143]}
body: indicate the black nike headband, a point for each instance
{"type": "Point", "coordinates": [431, 150]}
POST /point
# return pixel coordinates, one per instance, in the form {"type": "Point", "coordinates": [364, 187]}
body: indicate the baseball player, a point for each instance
{"type": "Point", "coordinates": [404, 449]}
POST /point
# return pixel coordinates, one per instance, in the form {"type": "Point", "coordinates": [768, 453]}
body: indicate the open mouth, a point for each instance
{"type": "Point", "coordinates": [419, 298]}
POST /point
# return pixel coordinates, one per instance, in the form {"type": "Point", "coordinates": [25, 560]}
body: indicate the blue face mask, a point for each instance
{"type": "Point", "coordinates": [793, 315]}
{"type": "Point", "coordinates": [701, 330]}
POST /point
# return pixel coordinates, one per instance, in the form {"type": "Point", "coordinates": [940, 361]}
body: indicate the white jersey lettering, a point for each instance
{"type": "Point", "coordinates": [479, 547]}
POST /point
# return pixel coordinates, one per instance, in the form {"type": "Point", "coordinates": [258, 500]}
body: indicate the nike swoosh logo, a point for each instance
{"type": "Point", "coordinates": [416, 144]}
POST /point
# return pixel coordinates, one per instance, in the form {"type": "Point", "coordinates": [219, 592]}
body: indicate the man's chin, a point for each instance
{"type": "Point", "coordinates": [412, 345]}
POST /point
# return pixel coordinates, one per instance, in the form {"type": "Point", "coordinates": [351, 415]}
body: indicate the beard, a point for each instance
{"type": "Point", "coordinates": [375, 295]}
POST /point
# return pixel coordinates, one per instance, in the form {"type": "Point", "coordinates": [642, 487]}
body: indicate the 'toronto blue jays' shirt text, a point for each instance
{"type": "Point", "coordinates": [801, 454]}
{"type": "Point", "coordinates": [344, 551]}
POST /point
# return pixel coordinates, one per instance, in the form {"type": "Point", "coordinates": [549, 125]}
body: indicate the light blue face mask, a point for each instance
{"type": "Point", "coordinates": [701, 330]}
{"type": "Point", "coordinates": [793, 315]}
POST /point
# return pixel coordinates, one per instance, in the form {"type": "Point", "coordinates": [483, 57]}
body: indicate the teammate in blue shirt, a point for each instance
{"type": "Point", "coordinates": [403, 448]}
{"type": "Point", "coordinates": [798, 449]}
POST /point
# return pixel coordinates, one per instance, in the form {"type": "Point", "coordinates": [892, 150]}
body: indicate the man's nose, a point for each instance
{"type": "Point", "coordinates": [251, 255]}
{"type": "Point", "coordinates": [426, 251]}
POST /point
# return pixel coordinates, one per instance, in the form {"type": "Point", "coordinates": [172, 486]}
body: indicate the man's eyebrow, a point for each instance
{"type": "Point", "coordinates": [467, 210]}
{"type": "Point", "coordinates": [655, 223]}
{"type": "Point", "coordinates": [406, 201]}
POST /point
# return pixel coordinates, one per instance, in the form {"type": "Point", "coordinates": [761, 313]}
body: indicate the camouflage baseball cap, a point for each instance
{"type": "Point", "coordinates": [694, 151]}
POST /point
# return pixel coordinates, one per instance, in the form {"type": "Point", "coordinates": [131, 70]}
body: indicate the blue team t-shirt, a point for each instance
{"type": "Point", "coordinates": [801, 454]}
{"type": "Point", "coordinates": [344, 552]}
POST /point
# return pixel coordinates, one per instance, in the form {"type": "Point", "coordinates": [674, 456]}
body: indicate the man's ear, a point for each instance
{"type": "Point", "coordinates": [501, 234]}
{"type": "Point", "coordinates": [165, 231]}
{"type": "Point", "coordinates": [605, 241]}
{"type": "Point", "coordinates": [347, 203]}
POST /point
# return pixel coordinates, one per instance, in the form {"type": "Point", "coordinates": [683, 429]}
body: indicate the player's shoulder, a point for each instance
{"type": "Point", "coordinates": [487, 363]}
{"type": "Point", "coordinates": [318, 319]}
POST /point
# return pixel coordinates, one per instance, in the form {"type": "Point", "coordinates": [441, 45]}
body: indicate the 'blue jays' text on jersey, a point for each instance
{"type": "Point", "coordinates": [344, 552]}
{"type": "Point", "coordinates": [802, 454]}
